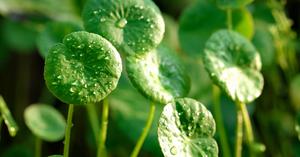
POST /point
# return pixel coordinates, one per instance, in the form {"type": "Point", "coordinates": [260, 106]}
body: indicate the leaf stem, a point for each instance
{"type": "Point", "coordinates": [68, 130]}
{"type": "Point", "coordinates": [248, 127]}
{"type": "Point", "coordinates": [220, 125]}
{"type": "Point", "coordinates": [8, 119]}
{"type": "Point", "coordinates": [93, 117]}
{"type": "Point", "coordinates": [145, 132]}
{"type": "Point", "coordinates": [103, 130]}
{"type": "Point", "coordinates": [229, 19]}
{"type": "Point", "coordinates": [239, 133]}
{"type": "Point", "coordinates": [38, 147]}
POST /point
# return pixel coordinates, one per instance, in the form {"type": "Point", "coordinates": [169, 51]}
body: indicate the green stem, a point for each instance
{"type": "Point", "coordinates": [220, 125]}
{"type": "Point", "coordinates": [247, 125]}
{"type": "Point", "coordinates": [68, 130]}
{"type": "Point", "coordinates": [229, 19]}
{"type": "Point", "coordinates": [93, 117]}
{"type": "Point", "coordinates": [145, 132]}
{"type": "Point", "coordinates": [38, 147]}
{"type": "Point", "coordinates": [239, 133]}
{"type": "Point", "coordinates": [103, 132]}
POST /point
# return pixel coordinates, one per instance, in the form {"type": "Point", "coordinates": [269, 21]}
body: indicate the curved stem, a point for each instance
{"type": "Point", "coordinates": [93, 117]}
{"type": "Point", "coordinates": [103, 131]}
{"type": "Point", "coordinates": [68, 130]}
{"type": "Point", "coordinates": [248, 126]}
{"type": "Point", "coordinates": [239, 133]}
{"type": "Point", "coordinates": [229, 19]}
{"type": "Point", "coordinates": [38, 147]}
{"type": "Point", "coordinates": [145, 132]}
{"type": "Point", "coordinates": [220, 125]}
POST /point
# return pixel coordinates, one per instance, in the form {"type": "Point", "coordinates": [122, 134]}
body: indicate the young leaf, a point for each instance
{"type": "Point", "coordinates": [233, 4]}
{"type": "Point", "coordinates": [8, 119]}
{"type": "Point", "coordinates": [186, 128]}
{"type": "Point", "coordinates": [45, 122]}
{"type": "Point", "coordinates": [196, 26]}
{"type": "Point", "coordinates": [82, 70]}
{"type": "Point", "coordinates": [234, 64]}
{"type": "Point", "coordinates": [158, 75]}
{"type": "Point", "coordinates": [133, 26]}
{"type": "Point", "coordinates": [53, 33]}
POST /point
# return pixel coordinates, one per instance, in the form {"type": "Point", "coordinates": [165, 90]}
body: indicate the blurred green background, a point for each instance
{"type": "Point", "coordinates": [22, 23]}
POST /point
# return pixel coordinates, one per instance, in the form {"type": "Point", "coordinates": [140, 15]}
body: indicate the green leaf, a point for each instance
{"type": "Point", "coordinates": [82, 70]}
{"type": "Point", "coordinates": [54, 33]}
{"type": "Point", "coordinates": [45, 122]}
{"type": "Point", "coordinates": [133, 26]}
{"type": "Point", "coordinates": [186, 128]}
{"type": "Point", "coordinates": [294, 91]}
{"type": "Point", "coordinates": [8, 119]}
{"type": "Point", "coordinates": [159, 75]}
{"type": "Point", "coordinates": [55, 156]}
{"type": "Point", "coordinates": [234, 64]}
{"type": "Point", "coordinates": [19, 36]}
{"type": "Point", "coordinates": [232, 4]}
{"type": "Point", "coordinates": [206, 19]}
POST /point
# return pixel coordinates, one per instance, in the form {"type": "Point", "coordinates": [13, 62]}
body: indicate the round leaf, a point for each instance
{"type": "Point", "coordinates": [84, 69]}
{"type": "Point", "coordinates": [52, 34]}
{"type": "Point", "coordinates": [186, 128]}
{"type": "Point", "coordinates": [194, 33]}
{"type": "Point", "coordinates": [233, 4]}
{"type": "Point", "coordinates": [45, 122]}
{"type": "Point", "coordinates": [158, 75]}
{"type": "Point", "coordinates": [234, 64]}
{"type": "Point", "coordinates": [133, 26]}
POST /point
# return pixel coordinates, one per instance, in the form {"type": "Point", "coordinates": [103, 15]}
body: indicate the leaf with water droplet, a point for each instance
{"type": "Point", "coordinates": [234, 64]}
{"type": "Point", "coordinates": [232, 4]}
{"type": "Point", "coordinates": [53, 33]}
{"type": "Point", "coordinates": [45, 122]}
{"type": "Point", "coordinates": [73, 68]}
{"type": "Point", "coordinates": [194, 33]}
{"type": "Point", "coordinates": [186, 128]}
{"type": "Point", "coordinates": [8, 119]}
{"type": "Point", "coordinates": [124, 23]}
{"type": "Point", "coordinates": [158, 75]}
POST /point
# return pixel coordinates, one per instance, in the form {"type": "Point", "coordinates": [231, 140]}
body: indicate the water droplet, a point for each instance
{"type": "Point", "coordinates": [151, 26]}
{"type": "Point", "coordinates": [121, 23]}
{"type": "Point", "coordinates": [173, 150]}
{"type": "Point", "coordinates": [72, 89]}
{"type": "Point", "coordinates": [102, 19]}
{"type": "Point", "coordinates": [95, 12]}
